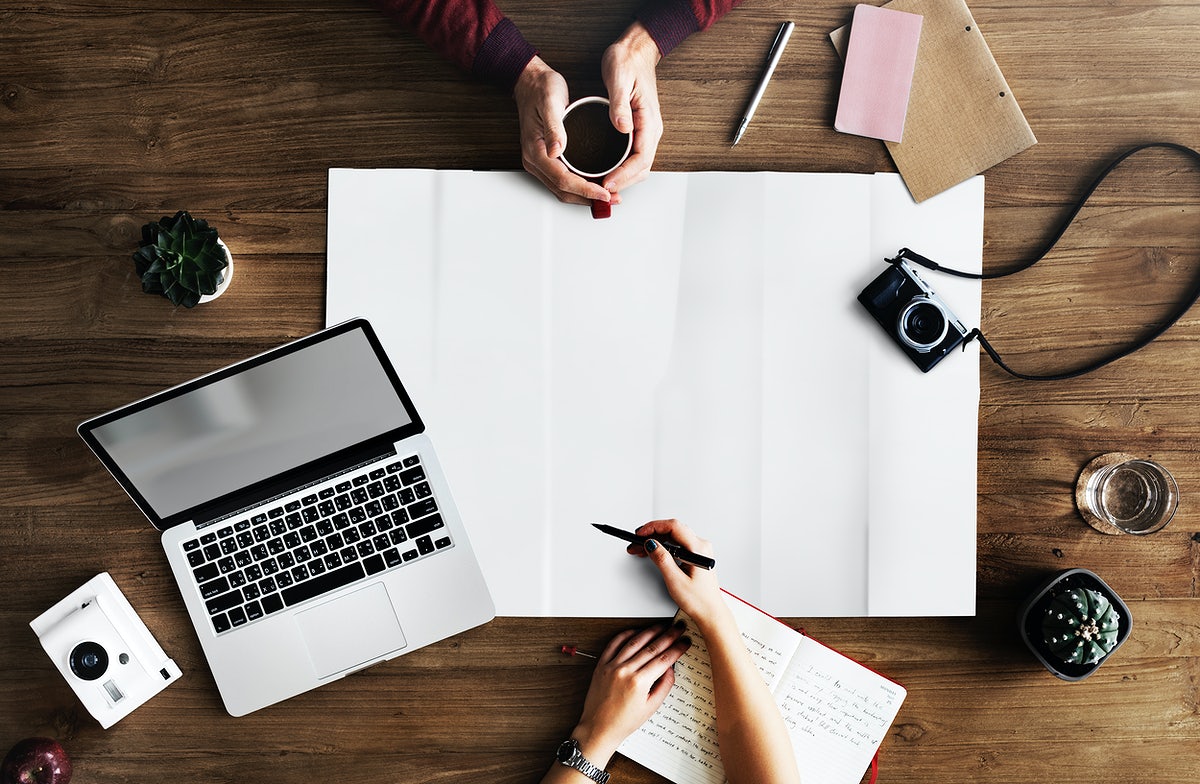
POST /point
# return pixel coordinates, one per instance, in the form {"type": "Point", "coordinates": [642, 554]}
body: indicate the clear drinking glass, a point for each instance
{"type": "Point", "coordinates": [1120, 493]}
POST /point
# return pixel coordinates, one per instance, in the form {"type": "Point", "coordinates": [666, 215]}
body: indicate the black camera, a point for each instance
{"type": "Point", "coordinates": [913, 315]}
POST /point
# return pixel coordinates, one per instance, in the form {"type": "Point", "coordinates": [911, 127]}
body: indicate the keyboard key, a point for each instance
{"type": "Point", "coordinates": [225, 532]}
{"type": "Point", "coordinates": [223, 602]}
{"type": "Point", "coordinates": [375, 489]}
{"type": "Point", "coordinates": [425, 545]}
{"type": "Point", "coordinates": [378, 473]}
{"type": "Point", "coordinates": [245, 539]}
{"type": "Point", "coordinates": [276, 512]}
{"type": "Point", "coordinates": [277, 527]}
{"type": "Point", "coordinates": [328, 492]}
{"type": "Point", "coordinates": [254, 611]}
{"type": "Point", "coordinates": [443, 542]}
{"type": "Point", "coordinates": [243, 559]}
{"type": "Point", "coordinates": [391, 484]}
{"type": "Point", "coordinates": [292, 506]}
{"type": "Point", "coordinates": [349, 554]}
{"type": "Point", "coordinates": [309, 500]}
{"type": "Point", "coordinates": [333, 561]}
{"type": "Point", "coordinates": [213, 587]}
{"type": "Point", "coordinates": [394, 467]}
{"type": "Point", "coordinates": [286, 561]}
{"type": "Point", "coordinates": [326, 508]}
{"type": "Point", "coordinates": [226, 564]}
{"type": "Point", "coordinates": [319, 548]}
{"type": "Point", "coordinates": [268, 585]}
{"type": "Point", "coordinates": [367, 528]}
{"type": "Point", "coordinates": [212, 552]}
{"type": "Point", "coordinates": [237, 579]}
{"type": "Point", "coordinates": [300, 573]}
{"type": "Point", "coordinates": [381, 542]}
{"type": "Point", "coordinates": [329, 581]}
{"type": "Point", "coordinates": [410, 555]}
{"type": "Point", "coordinates": [421, 508]}
{"type": "Point", "coordinates": [308, 533]}
{"type": "Point", "coordinates": [398, 536]}
{"type": "Point", "coordinates": [311, 515]}
{"type": "Point", "coordinates": [423, 490]}
{"type": "Point", "coordinates": [343, 502]}
{"type": "Point", "coordinates": [221, 623]}
{"type": "Point", "coordinates": [195, 557]}
{"type": "Point", "coordinates": [316, 566]}
{"type": "Point", "coordinates": [365, 548]}
{"type": "Point", "coordinates": [424, 526]}
{"type": "Point", "coordinates": [259, 518]}
{"type": "Point", "coordinates": [253, 572]}
{"type": "Point", "coordinates": [412, 475]}
{"type": "Point", "coordinates": [361, 480]}
{"type": "Point", "coordinates": [208, 538]}
{"type": "Point", "coordinates": [390, 502]}
{"type": "Point", "coordinates": [272, 603]}
{"type": "Point", "coordinates": [373, 509]}
{"type": "Point", "coordinates": [407, 496]}
{"type": "Point", "coordinates": [206, 573]}
{"type": "Point", "coordinates": [294, 520]}
{"type": "Point", "coordinates": [275, 546]}
{"type": "Point", "coordinates": [259, 551]}
{"type": "Point", "coordinates": [342, 487]}
{"type": "Point", "coordinates": [284, 579]}
{"type": "Point", "coordinates": [191, 544]}
{"type": "Point", "coordinates": [374, 564]}
{"type": "Point", "coordinates": [237, 616]}
{"type": "Point", "coordinates": [262, 533]}
{"type": "Point", "coordinates": [357, 515]}
{"type": "Point", "coordinates": [251, 592]}
{"type": "Point", "coordinates": [269, 567]}
{"type": "Point", "coordinates": [302, 554]}
{"type": "Point", "coordinates": [392, 557]}
{"type": "Point", "coordinates": [399, 517]}
{"type": "Point", "coordinates": [244, 525]}
{"type": "Point", "coordinates": [340, 521]}
{"type": "Point", "coordinates": [292, 540]}
{"type": "Point", "coordinates": [335, 541]}
{"type": "Point", "coordinates": [409, 462]}
{"type": "Point", "coordinates": [325, 528]}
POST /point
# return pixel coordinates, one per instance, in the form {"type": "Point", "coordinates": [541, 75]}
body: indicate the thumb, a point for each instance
{"type": "Point", "coordinates": [664, 561]}
{"type": "Point", "coordinates": [620, 112]}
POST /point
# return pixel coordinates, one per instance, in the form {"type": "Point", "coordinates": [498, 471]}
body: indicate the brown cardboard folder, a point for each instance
{"type": "Point", "coordinates": [962, 115]}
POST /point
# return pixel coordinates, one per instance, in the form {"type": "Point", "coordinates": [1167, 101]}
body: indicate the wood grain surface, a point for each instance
{"type": "Point", "coordinates": [114, 113]}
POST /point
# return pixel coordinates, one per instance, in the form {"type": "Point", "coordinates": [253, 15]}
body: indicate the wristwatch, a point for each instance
{"type": "Point", "coordinates": [569, 755]}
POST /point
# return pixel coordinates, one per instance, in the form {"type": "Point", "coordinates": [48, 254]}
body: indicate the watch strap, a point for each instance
{"type": "Point", "coordinates": [583, 765]}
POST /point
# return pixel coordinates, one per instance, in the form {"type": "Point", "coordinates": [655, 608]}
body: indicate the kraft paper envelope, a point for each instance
{"type": "Point", "coordinates": [962, 116]}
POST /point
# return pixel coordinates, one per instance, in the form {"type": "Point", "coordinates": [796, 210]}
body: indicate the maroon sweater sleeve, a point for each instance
{"type": "Point", "coordinates": [474, 34]}
{"type": "Point", "coordinates": [669, 22]}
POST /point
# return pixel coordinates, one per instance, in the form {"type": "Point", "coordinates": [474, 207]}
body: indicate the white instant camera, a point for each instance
{"type": "Point", "coordinates": [104, 650]}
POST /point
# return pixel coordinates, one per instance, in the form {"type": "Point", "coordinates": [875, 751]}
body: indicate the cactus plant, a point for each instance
{"type": "Point", "coordinates": [180, 258]}
{"type": "Point", "coordinates": [1080, 626]}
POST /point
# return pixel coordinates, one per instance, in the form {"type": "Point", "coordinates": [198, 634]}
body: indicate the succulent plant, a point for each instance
{"type": "Point", "coordinates": [180, 258]}
{"type": "Point", "coordinates": [1080, 626]}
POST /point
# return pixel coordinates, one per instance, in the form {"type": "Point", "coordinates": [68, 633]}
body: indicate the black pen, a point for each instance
{"type": "Point", "coordinates": [781, 39]}
{"type": "Point", "coordinates": [683, 554]}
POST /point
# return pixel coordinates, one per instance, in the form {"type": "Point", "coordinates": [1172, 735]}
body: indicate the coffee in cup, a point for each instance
{"type": "Point", "coordinates": [594, 146]}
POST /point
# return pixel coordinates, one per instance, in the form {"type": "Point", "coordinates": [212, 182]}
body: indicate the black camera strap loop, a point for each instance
{"type": "Point", "coordinates": [1185, 306]}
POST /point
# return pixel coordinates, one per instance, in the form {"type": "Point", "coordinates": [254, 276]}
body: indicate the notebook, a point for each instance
{"type": "Point", "coordinates": [836, 711]}
{"type": "Point", "coordinates": [880, 59]}
{"type": "Point", "coordinates": [962, 115]}
{"type": "Point", "coordinates": [303, 511]}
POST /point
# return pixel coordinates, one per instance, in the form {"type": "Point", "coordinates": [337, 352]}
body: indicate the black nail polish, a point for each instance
{"type": "Point", "coordinates": [651, 545]}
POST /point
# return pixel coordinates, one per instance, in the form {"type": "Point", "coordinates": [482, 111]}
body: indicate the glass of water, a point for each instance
{"type": "Point", "coordinates": [1121, 493]}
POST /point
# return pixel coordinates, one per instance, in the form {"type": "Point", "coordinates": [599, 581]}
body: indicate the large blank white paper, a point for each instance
{"type": "Point", "coordinates": [700, 355]}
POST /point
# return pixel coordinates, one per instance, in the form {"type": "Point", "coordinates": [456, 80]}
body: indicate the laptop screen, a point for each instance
{"type": "Point", "coordinates": [252, 422]}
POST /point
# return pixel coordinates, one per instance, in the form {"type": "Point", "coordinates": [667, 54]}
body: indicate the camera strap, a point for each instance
{"type": "Point", "coordinates": [907, 255]}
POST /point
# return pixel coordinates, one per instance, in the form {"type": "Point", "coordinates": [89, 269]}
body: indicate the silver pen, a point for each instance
{"type": "Point", "coordinates": [781, 39]}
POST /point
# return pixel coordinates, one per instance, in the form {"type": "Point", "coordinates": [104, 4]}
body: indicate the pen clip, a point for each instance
{"type": "Point", "coordinates": [778, 38]}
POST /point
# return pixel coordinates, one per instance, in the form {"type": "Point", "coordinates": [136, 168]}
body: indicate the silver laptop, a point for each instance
{"type": "Point", "coordinates": [303, 511]}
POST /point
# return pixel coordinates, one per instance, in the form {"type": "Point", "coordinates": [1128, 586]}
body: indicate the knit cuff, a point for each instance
{"type": "Point", "coordinates": [669, 22]}
{"type": "Point", "coordinates": [503, 56]}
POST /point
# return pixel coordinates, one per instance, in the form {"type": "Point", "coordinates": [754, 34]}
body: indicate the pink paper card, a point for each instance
{"type": "Point", "coordinates": [880, 59]}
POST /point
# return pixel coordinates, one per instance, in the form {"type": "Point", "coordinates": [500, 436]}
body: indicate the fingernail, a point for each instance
{"type": "Point", "coordinates": [680, 624]}
{"type": "Point", "coordinates": [686, 640]}
{"type": "Point", "coordinates": [651, 545]}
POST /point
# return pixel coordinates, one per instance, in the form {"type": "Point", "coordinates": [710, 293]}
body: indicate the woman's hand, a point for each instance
{"type": "Point", "coordinates": [632, 678]}
{"type": "Point", "coordinates": [628, 68]}
{"type": "Point", "coordinates": [541, 95]}
{"type": "Point", "coordinates": [695, 590]}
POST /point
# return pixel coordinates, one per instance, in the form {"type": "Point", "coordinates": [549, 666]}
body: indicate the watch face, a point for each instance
{"type": "Point", "coordinates": [567, 751]}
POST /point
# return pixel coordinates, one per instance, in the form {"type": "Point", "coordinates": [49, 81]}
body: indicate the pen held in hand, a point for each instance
{"type": "Point", "coordinates": [681, 553]}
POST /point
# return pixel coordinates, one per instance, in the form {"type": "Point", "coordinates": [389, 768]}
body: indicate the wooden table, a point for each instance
{"type": "Point", "coordinates": [112, 114]}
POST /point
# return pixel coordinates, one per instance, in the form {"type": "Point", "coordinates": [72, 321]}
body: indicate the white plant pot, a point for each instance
{"type": "Point", "coordinates": [226, 276]}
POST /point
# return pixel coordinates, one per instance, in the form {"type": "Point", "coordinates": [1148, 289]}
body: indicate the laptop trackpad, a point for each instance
{"type": "Point", "coordinates": [351, 630]}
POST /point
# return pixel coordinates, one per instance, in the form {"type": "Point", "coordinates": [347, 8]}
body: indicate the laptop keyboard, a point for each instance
{"type": "Point", "coordinates": [366, 524]}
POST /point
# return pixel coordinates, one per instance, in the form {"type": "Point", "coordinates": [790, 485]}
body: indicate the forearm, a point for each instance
{"type": "Point", "coordinates": [755, 746]}
{"type": "Point", "coordinates": [595, 747]}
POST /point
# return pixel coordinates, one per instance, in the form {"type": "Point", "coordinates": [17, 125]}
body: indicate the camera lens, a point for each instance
{"type": "Point", "coordinates": [922, 324]}
{"type": "Point", "coordinates": [89, 660]}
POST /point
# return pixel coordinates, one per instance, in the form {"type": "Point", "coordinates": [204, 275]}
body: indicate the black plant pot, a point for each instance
{"type": "Point", "coordinates": [1029, 619]}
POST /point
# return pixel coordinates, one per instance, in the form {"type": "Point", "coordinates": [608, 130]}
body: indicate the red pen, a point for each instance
{"type": "Point", "coordinates": [571, 650]}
